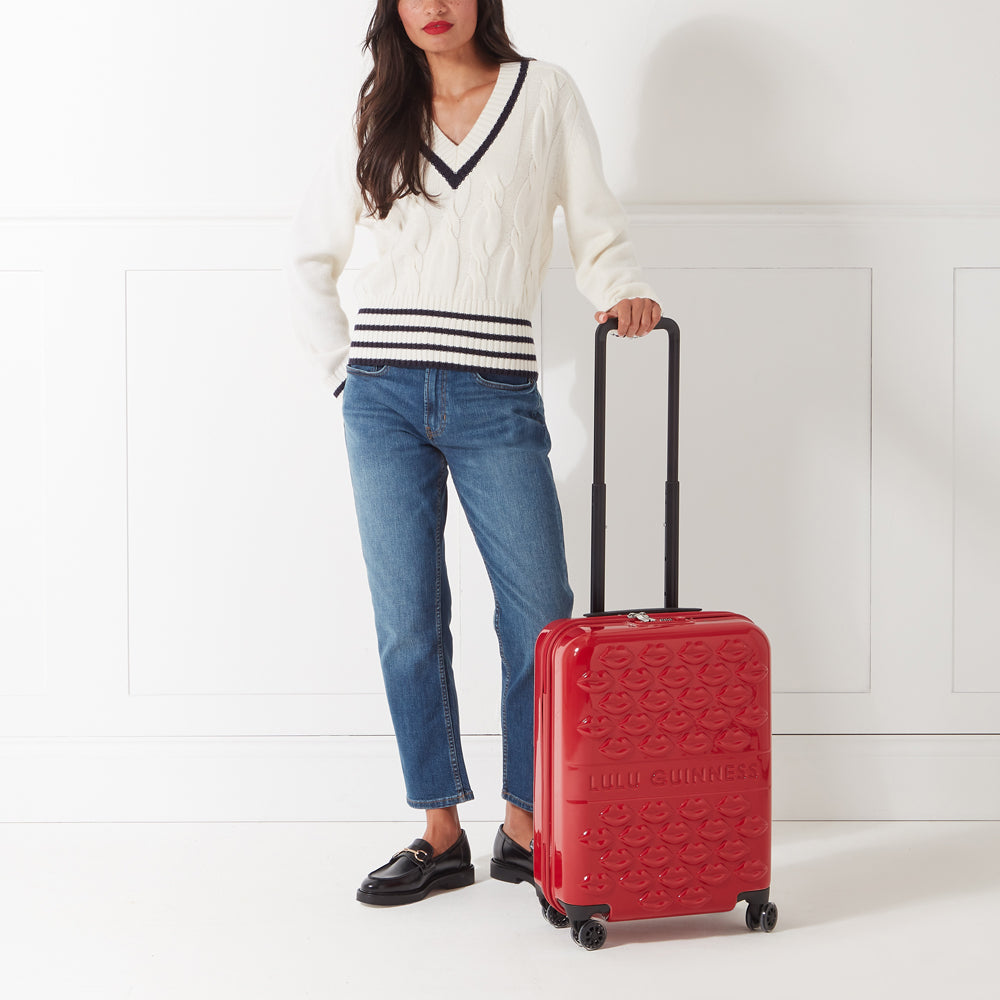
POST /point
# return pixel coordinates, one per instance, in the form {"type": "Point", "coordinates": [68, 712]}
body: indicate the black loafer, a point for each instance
{"type": "Point", "coordinates": [511, 862]}
{"type": "Point", "coordinates": [410, 874]}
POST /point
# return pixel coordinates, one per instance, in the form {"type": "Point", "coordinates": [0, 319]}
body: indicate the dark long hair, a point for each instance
{"type": "Point", "coordinates": [394, 118]}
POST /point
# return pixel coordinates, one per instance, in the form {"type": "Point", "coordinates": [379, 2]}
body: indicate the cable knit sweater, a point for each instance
{"type": "Point", "coordinates": [456, 280]}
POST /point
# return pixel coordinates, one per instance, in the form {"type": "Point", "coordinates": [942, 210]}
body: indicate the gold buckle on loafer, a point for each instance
{"type": "Point", "coordinates": [420, 856]}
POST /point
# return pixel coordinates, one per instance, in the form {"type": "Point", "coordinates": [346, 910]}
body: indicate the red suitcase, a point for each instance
{"type": "Point", "coordinates": [652, 745]}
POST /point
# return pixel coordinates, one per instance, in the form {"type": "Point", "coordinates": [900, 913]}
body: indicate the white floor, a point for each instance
{"type": "Point", "coordinates": [267, 910]}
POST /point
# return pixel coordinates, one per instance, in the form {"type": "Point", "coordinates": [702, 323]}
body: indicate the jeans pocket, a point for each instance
{"type": "Point", "coordinates": [366, 371]}
{"type": "Point", "coordinates": [506, 381]}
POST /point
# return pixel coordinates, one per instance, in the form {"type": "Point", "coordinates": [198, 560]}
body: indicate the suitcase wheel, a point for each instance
{"type": "Point", "coordinates": [762, 918]}
{"type": "Point", "coordinates": [555, 917]}
{"type": "Point", "coordinates": [590, 934]}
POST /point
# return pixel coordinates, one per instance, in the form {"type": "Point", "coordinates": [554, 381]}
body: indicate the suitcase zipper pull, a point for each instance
{"type": "Point", "coordinates": [641, 616]}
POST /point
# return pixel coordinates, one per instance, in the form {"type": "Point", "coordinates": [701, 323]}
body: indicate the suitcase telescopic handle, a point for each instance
{"type": "Point", "coordinates": [598, 565]}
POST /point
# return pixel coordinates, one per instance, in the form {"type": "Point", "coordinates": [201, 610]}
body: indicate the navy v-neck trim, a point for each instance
{"type": "Point", "coordinates": [455, 178]}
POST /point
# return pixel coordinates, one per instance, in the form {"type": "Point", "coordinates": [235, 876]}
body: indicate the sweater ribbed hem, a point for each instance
{"type": "Point", "coordinates": [419, 337]}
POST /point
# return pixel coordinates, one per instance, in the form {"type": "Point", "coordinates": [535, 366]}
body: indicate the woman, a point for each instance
{"type": "Point", "coordinates": [460, 153]}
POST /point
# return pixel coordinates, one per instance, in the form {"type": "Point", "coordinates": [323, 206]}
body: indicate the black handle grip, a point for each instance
{"type": "Point", "coordinates": [598, 566]}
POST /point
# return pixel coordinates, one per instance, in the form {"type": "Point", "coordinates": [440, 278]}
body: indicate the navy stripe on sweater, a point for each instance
{"type": "Point", "coordinates": [504, 338]}
{"type": "Point", "coordinates": [446, 348]}
{"type": "Point", "coordinates": [441, 314]}
{"type": "Point", "coordinates": [455, 178]}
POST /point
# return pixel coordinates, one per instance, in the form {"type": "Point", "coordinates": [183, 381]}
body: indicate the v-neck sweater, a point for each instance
{"type": "Point", "coordinates": [456, 277]}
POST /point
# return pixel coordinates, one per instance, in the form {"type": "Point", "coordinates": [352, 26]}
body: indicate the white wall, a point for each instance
{"type": "Point", "coordinates": [184, 631]}
{"type": "Point", "coordinates": [220, 105]}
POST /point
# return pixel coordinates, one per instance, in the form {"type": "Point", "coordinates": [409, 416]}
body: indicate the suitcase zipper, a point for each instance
{"type": "Point", "coordinates": [642, 616]}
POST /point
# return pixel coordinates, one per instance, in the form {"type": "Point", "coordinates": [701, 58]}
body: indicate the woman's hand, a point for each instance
{"type": "Point", "coordinates": [636, 317]}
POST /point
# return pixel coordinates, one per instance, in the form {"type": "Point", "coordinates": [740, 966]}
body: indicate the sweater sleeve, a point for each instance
{"type": "Point", "coordinates": [320, 241]}
{"type": "Point", "coordinates": [607, 270]}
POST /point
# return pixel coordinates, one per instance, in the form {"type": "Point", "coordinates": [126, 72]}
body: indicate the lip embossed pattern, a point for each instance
{"type": "Point", "coordinates": [714, 718]}
{"type": "Point", "coordinates": [675, 739]}
{"type": "Point", "coordinates": [714, 829]}
{"type": "Point", "coordinates": [600, 839]}
{"type": "Point", "coordinates": [734, 741]}
{"type": "Point", "coordinates": [735, 650]}
{"type": "Point", "coordinates": [616, 703]}
{"type": "Point", "coordinates": [598, 728]}
{"type": "Point", "coordinates": [600, 883]}
{"type": "Point", "coordinates": [656, 746]}
{"type": "Point", "coordinates": [636, 881]}
{"type": "Point", "coordinates": [752, 870]}
{"type": "Point", "coordinates": [615, 657]}
{"type": "Point", "coordinates": [695, 854]}
{"type": "Point", "coordinates": [752, 673]}
{"type": "Point", "coordinates": [677, 721]}
{"type": "Point", "coordinates": [733, 850]}
{"type": "Point", "coordinates": [677, 877]}
{"type": "Point", "coordinates": [657, 901]}
{"type": "Point", "coordinates": [734, 805]}
{"type": "Point", "coordinates": [696, 652]}
{"type": "Point", "coordinates": [636, 836]}
{"type": "Point", "coordinates": [695, 897]}
{"type": "Point", "coordinates": [752, 717]}
{"type": "Point", "coordinates": [656, 654]}
{"type": "Point", "coordinates": [696, 698]}
{"type": "Point", "coordinates": [637, 679]}
{"type": "Point", "coordinates": [753, 826]}
{"type": "Point", "coordinates": [675, 676]}
{"type": "Point", "coordinates": [696, 743]}
{"type": "Point", "coordinates": [617, 860]}
{"type": "Point", "coordinates": [655, 857]}
{"type": "Point", "coordinates": [616, 748]}
{"type": "Point", "coordinates": [696, 809]}
{"type": "Point", "coordinates": [656, 701]}
{"type": "Point", "coordinates": [714, 674]}
{"type": "Point", "coordinates": [675, 833]}
{"type": "Point", "coordinates": [617, 815]}
{"type": "Point", "coordinates": [637, 724]}
{"type": "Point", "coordinates": [596, 680]}
{"type": "Point", "coordinates": [655, 812]}
{"type": "Point", "coordinates": [714, 874]}
{"type": "Point", "coordinates": [736, 695]}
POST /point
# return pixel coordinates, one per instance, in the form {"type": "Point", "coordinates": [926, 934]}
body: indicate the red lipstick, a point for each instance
{"type": "Point", "coordinates": [437, 27]}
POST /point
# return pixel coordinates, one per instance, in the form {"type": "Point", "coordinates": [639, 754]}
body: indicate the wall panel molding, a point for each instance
{"type": "Point", "coordinates": [977, 478]}
{"type": "Point", "coordinates": [22, 499]}
{"type": "Point", "coordinates": [925, 667]}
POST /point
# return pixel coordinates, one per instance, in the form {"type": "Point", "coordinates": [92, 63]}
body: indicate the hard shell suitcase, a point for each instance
{"type": "Point", "coordinates": [652, 744]}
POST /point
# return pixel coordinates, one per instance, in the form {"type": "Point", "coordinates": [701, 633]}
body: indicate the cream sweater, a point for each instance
{"type": "Point", "coordinates": [455, 281]}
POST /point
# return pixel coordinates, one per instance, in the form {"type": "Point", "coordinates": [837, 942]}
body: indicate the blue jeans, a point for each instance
{"type": "Point", "coordinates": [405, 429]}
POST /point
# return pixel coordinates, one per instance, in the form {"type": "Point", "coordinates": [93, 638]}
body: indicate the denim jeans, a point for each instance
{"type": "Point", "coordinates": [406, 428]}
